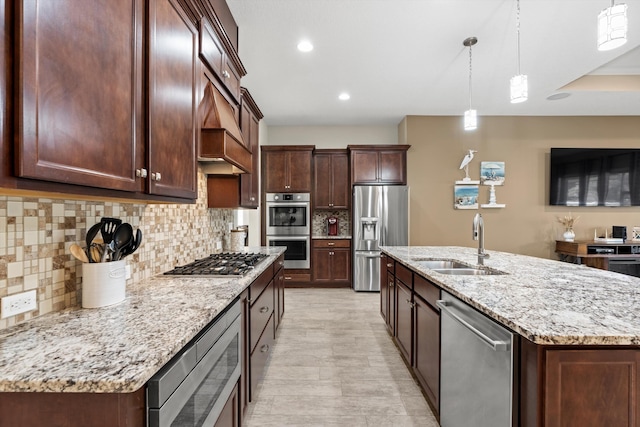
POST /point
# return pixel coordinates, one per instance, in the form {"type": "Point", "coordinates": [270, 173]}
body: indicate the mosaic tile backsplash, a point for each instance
{"type": "Point", "coordinates": [319, 222]}
{"type": "Point", "coordinates": [36, 233]}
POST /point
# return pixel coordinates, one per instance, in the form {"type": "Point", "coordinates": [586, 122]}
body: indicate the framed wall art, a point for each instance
{"type": "Point", "coordinates": [465, 196]}
{"type": "Point", "coordinates": [492, 173]}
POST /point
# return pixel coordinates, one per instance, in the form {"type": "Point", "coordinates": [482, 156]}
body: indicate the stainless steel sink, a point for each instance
{"type": "Point", "coordinates": [468, 271]}
{"type": "Point", "coordinates": [433, 264]}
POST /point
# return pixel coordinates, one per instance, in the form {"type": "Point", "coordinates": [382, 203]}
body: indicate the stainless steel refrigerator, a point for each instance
{"type": "Point", "coordinates": [380, 218]}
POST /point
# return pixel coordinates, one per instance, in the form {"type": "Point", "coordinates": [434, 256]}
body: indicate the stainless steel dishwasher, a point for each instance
{"type": "Point", "coordinates": [476, 379]}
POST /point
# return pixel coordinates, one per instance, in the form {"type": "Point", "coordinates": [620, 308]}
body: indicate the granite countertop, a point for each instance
{"type": "Point", "coordinates": [116, 349]}
{"type": "Point", "coordinates": [545, 301]}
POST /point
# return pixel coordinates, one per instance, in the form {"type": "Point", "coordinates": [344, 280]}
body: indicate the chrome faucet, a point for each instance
{"type": "Point", "coordinates": [478, 234]}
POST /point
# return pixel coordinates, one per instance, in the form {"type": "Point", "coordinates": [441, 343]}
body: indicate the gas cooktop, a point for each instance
{"type": "Point", "coordinates": [231, 264]}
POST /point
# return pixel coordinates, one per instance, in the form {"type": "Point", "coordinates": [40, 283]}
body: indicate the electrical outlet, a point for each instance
{"type": "Point", "coordinates": [18, 303]}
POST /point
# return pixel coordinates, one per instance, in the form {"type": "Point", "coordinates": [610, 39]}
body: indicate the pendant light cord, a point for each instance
{"type": "Point", "coordinates": [470, 77]}
{"type": "Point", "coordinates": [518, 32]}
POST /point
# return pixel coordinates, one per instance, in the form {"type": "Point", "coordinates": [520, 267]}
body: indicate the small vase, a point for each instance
{"type": "Point", "coordinates": [568, 235]}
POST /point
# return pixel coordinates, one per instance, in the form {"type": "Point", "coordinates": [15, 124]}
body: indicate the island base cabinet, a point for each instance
{"type": "Point", "coordinates": [582, 386]}
{"type": "Point", "coordinates": [73, 409]}
{"type": "Point", "coordinates": [426, 355]}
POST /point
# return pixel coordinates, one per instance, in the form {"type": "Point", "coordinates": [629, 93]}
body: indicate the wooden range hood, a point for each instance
{"type": "Point", "coordinates": [222, 149]}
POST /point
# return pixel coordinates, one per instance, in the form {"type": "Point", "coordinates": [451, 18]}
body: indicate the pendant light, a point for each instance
{"type": "Point", "coordinates": [518, 84]}
{"type": "Point", "coordinates": [470, 116]}
{"type": "Point", "coordinates": [612, 27]}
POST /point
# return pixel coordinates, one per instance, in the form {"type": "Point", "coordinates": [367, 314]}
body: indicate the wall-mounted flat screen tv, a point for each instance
{"type": "Point", "coordinates": [594, 177]}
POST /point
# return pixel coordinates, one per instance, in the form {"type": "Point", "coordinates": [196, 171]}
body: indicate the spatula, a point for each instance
{"type": "Point", "coordinates": [108, 227]}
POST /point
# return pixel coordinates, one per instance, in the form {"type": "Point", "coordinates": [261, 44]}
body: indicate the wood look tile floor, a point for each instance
{"type": "Point", "coordinates": [334, 364]}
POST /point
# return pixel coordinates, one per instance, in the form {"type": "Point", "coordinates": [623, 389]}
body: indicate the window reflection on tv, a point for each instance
{"type": "Point", "coordinates": [594, 177]}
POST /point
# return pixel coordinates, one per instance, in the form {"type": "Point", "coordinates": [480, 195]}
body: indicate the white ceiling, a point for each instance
{"type": "Point", "coordinates": [406, 57]}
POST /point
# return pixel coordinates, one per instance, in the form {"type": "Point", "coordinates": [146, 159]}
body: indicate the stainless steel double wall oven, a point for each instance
{"type": "Point", "coordinates": [288, 223]}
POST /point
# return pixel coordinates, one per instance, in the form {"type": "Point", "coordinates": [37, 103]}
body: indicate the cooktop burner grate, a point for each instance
{"type": "Point", "coordinates": [234, 264]}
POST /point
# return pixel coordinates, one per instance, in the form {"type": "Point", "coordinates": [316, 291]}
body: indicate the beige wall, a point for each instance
{"type": "Point", "coordinates": [528, 225]}
{"type": "Point", "coordinates": [331, 136]}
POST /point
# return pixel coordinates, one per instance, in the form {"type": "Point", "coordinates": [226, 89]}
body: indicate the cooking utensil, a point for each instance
{"type": "Point", "coordinates": [91, 234]}
{"type": "Point", "coordinates": [135, 244]}
{"type": "Point", "coordinates": [79, 253]}
{"type": "Point", "coordinates": [108, 228]}
{"type": "Point", "coordinates": [122, 237]}
{"type": "Point", "coordinates": [96, 252]}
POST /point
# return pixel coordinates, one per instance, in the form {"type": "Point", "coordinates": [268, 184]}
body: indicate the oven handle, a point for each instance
{"type": "Point", "coordinates": [270, 238]}
{"type": "Point", "coordinates": [288, 205]}
{"type": "Point", "coordinates": [164, 416]}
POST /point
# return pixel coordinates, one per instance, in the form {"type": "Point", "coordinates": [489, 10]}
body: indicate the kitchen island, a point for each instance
{"type": "Point", "coordinates": [115, 350]}
{"type": "Point", "coordinates": [577, 353]}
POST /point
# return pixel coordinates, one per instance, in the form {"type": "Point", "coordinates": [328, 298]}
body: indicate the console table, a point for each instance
{"type": "Point", "coordinates": [620, 257]}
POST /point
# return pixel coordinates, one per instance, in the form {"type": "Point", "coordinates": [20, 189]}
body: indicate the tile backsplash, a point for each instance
{"type": "Point", "coordinates": [319, 222]}
{"type": "Point", "coordinates": [36, 233]}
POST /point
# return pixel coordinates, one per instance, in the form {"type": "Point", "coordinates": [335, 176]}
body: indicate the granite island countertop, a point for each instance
{"type": "Point", "coordinates": [116, 349]}
{"type": "Point", "coordinates": [546, 301]}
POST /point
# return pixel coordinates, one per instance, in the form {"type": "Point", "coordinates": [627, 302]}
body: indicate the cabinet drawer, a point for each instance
{"type": "Point", "coordinates": [259, 285]}
{"type": "Point", "coordinates": [297, 277]}
{"type": "Point", "coordinates": [331, 243]}
{"type": "Point", "coordinates": [427, 290]}
{"type": "Point", "coordinates": [391, 265]}
{"type": "Point", "coordinates": [404, 274]}
{"type": "Point", "coordinates": [260, 312]}
{"type": "Point", "coordinates": [260, 356]}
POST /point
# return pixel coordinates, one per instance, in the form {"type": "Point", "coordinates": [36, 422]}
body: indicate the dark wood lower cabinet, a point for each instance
{"type": "Point", "coordinates": [426, 352]}
{"type": "Point", "coordinates": [230, 415]}
{"type": "Point", "coordinates": [404, 320]}
{"type": "Point", "coordinates": [73, 409]}
{"type": "Point", "coordinates": [581, 386]}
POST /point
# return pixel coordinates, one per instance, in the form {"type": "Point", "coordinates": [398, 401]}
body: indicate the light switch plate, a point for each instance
{"type": "Point", "coordinates": [18, 303]}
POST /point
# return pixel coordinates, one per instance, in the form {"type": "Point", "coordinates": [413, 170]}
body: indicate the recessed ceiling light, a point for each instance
{"type": "Point", "coordinates": [344, 96]}
{"type": "Point", "coordinates": [557, 96]}
{"type": "Point", "coordinates": [305, 46]}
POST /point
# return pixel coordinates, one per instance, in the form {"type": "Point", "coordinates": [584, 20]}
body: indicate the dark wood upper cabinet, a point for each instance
{"type": "Point", "coordinates": [331, 188]}
{"type": "Point", "coordinates": [173, 50]}
{"type": "Point", "coordinates": [287, 169]}
{"type": "Point", "coordinates": [250, 116]}
{"type": "Point", "coordinates": [79, 92]}
{"type": "Point", "coordinates": [383, 164]}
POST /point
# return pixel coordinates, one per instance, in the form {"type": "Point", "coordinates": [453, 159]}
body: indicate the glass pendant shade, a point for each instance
{"type": "Point", "coordinates": [519, 88]}
{"type": "Point", "coordinates": [612, 27]}
{"type": "Point", "coordinates": [470, 120]}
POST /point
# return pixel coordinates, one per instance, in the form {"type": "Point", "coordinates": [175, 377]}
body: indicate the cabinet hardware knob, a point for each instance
{"type": "Point", "coordinates": [156, 176]}
{"type": "Point", "coordinates": [253, 199]}
{"type": "Point", "coordinates": [389, 265]}
{"type": "Point", "coordinates": [287, 278]}
{"type": "Point", "coordinates": [226, 74]}
{"type": "Point", "coordinates": [331, 244]}
{"type": "Point", "coordinates": [249, 300]}
{"type": "Point", "coordinates": [141, 173]}
{"type": "Point", "coordinates": [264, 309]}
{"type": "Point", "coordinates": [264, 348]}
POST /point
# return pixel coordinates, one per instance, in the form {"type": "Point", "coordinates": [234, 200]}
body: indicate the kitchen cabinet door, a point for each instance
{"type": "Point", "coordinates": [331, 179]}
{"type": "Point", "coordinates": [331, 261]}
{"type": "Point", "coordinates": [287, 169]}
{"type": "Point", "coordinates": [378, 165]}
{"type": "Point", "coordinates": [250, 116]}
{"type": "Point", "coordinates": [279, 281]}
{"type": "Point", "coordinates": [426, 357]}
{"type": "Point", "coordinates": [404, 320]}
{"type": "Point", "coordinates": [79, 92]}
{"type": "Point", "coordinates": [173, 50]}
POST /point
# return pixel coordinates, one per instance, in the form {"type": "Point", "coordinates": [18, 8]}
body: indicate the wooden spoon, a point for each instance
{"type": "Point", "coordinates": [77, 252]}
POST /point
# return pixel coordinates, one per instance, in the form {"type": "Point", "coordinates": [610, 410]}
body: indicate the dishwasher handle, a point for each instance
{"type": "Point", "coordinates": [496, 345]}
